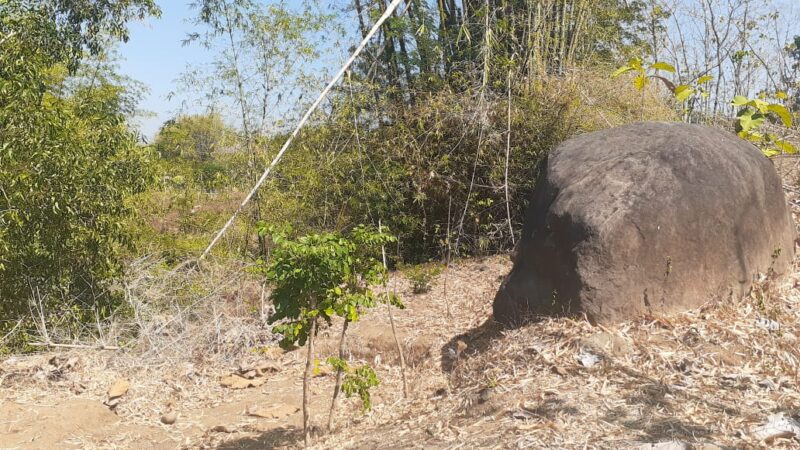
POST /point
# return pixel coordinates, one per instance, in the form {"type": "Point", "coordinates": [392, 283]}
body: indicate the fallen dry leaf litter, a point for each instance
{"type": "Point", "coordinates": [724, 376]}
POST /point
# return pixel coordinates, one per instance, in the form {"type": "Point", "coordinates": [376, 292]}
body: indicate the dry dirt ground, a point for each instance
{"type": "Point", "coordinates": [705, 379]}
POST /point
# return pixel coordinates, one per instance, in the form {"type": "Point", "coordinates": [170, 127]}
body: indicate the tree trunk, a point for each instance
{"type": "Point", "coordinates": [339, 376]}
{"type": "Point", "coordinates": [418, 18]}
{"type": "Point", "coordinates": [404, 59]}
{"type": "Point", "coordinates": [306, 383]}
{"type": "Point", "coordinates": [390, 52]}
{"type": "Point", "coordinates": [360, 12]}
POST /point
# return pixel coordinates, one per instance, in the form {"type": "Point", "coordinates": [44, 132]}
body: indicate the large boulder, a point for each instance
{"type": "Point", "coordinates": [645, 220]}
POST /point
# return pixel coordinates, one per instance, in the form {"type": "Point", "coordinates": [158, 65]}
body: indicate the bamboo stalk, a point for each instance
{"type": "Point", "coordinates": [508, 157]}
{"type": "Point", "coordinates": [303, 121]}
{"type": "Point", "coordinates": [391, 321]}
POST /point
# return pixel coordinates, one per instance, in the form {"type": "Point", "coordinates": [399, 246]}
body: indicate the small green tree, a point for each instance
{"type": "Point", "coordinates": [193, 137]}
{"type": "Point", "coordinates": [752, 113]}
{"type": "Point", "coordinates": [315, 278]}
{"type": "Point", "coordinates": [646, 71]}
{"type": "Point", "coordinates": [751, 117]}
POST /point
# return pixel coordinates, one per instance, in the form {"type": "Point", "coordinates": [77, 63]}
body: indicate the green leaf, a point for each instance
{"type": "Point", "coordinates": [740, 100]}
{"type": "Point", "coordinates": [781, 95]}
{"type": "Point", "coordinates": [352, 314]}
{"type": "Point", "coordinates": [782, 112]}
{"type": "Point", "coordinates": [636, 64]}
{"type": "Point", "coordinates": [750, 119]}
{"type": "Point", "coordinates": [786, 147]}
{"type": "Point", "coordinates": [663, 66]}
{"type": "Point", "coordinates": [621, 70]}
{"type": "Point", "coordinates": [761, 105]}
{"type": "Point", "coordinates": [640, 82]}
{"type": "Point", "coordinates": [683, 92]}
{"type": "Point", "coordinates": [316, 370]}
{"type": "Point", "coordinates": [704, 79]}
{"type": "Point", "coordinates": [338, 364]}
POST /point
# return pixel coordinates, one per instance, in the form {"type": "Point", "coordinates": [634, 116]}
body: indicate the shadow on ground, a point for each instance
{"type": "Point", "coordinates": [656, 402]}
{"type": "Point", "coordinates": [277, 438]}
{"type": "Point", "coordinates": [477, 341]}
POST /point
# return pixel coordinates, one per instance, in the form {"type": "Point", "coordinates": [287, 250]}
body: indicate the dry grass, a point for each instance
{"type": "Point", "coordinates": [708, 376]}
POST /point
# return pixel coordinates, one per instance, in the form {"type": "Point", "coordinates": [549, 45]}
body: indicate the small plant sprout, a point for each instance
{"type": "Point", "coordinates": [421, 276]}
{"type": "Point", "coordinates": [357, 381]}
{"type": "Point", "coordinates": [751, 117]}
{"type": "Point", "coordinates": [315, 278]}
{"type": "Point", "coordinates": [645, 72]}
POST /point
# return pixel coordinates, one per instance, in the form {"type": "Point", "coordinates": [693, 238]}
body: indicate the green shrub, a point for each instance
{"type": "Point", "coordinates": [413, 169]}
{"type": "Point", "coordinates": [68, 162]}
{"type": "Point", "coordinates": [317, 277]}
{"type": "Point", "coordinates": [421, 276]}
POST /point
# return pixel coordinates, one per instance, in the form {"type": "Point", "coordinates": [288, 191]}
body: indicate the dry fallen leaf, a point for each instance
{"type": "Point", "coordinates": [234, 381]}
{"type": "Point", "coordinates": [119, 388]}
{"type": "Point", "coordinates": [777, 426]}
{"type": "Point", "coordinates": [265, 367]}
{"type": "Point", "coordinates": [278, 411]}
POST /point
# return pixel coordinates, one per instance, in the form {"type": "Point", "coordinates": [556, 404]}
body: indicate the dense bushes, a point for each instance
{"type": "Point", "coordinates": [67, 163]}
{"type": "Point", "coordinates": [442, 148]}
{"type": "Point", "coordinates": [420, 169]}
{"type": "Point", "coordinates": [425, 168]}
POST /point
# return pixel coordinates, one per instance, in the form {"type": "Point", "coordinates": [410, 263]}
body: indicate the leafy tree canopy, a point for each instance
{"type": "Point", "coordinates": [68, 161]}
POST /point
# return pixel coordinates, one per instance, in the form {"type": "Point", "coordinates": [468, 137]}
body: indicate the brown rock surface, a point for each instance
{"type": "Point", "coordinates": [645, 220]}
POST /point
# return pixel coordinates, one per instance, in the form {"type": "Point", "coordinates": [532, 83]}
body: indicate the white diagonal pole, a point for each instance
{"type": "Point", "coordinates": [386, 14]}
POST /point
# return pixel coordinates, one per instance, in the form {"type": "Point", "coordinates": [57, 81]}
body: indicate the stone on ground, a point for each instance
{"type": "Point", "coordinates": [647, 219]}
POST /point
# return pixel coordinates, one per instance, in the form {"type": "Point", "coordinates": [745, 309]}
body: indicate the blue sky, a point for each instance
{"type": "Point", "coordinates": [155, 56]}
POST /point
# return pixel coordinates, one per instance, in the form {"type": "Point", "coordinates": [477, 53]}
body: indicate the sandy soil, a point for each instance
{"type": "Point", "coordinates": [56, 399]}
